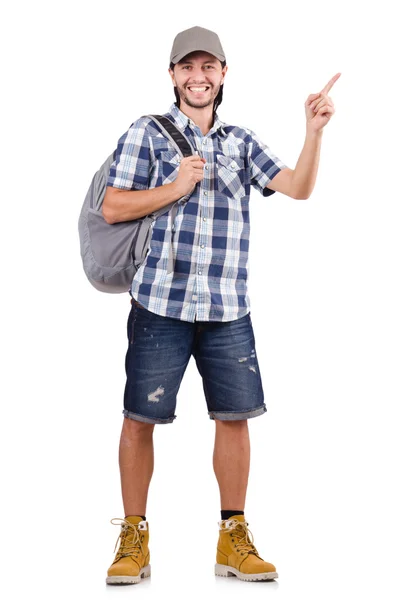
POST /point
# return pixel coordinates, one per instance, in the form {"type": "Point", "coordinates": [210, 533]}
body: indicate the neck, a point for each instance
{"type": "Point", "coordinates": [202, 117]}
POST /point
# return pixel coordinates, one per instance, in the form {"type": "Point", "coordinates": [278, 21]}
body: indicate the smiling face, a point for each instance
{"type": "Point", "coordinates": [198, 78]}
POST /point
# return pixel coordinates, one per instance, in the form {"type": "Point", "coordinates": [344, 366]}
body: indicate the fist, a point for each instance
{"type": "Point", "coordinates": [191, 171]}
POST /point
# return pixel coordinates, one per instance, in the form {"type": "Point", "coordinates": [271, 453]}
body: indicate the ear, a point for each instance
{"type": "Point", "coordinates": [224, 71]}
{"type": "Point", "coordinates": [172, 76]}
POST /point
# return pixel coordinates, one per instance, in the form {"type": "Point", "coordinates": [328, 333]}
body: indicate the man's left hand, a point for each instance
{"type": "Point", "coordinates": [319, 108]}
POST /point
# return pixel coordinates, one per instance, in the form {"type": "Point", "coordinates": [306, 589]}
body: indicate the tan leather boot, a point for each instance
{"type": "Point", "coordinates": [132, 559]}
{"type": "Point", "coordinates": [237, 555]}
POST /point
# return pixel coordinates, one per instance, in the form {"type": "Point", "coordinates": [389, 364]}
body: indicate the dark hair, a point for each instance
{"type": "Point", "coordinates": [218, 99]}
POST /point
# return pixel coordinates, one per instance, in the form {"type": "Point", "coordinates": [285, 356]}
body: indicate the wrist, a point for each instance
{"type": "Point", "coordinates": [314, 135]}
{"type": "Point", "coordinates": [175, 191]}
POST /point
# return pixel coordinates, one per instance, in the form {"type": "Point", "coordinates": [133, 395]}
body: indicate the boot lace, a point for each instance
{"type": "Point", "coordinates": [130, 539]}
{"type": "Point", "coordinates": [243, 537]}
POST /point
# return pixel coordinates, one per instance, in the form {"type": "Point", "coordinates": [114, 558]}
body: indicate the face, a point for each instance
{"type": "Point", "coordinates": [198, 77]}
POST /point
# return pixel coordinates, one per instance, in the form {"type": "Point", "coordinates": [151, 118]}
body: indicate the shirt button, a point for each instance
{"type": "Point", "coordinates": [203, 245]}
{"type": "Point", "coordinates": [204, 141]}
{"type": "Point", "coordinates": [204, 219]}
{"type": "Point", "coordinates": [199, 272]}
{"type": "Point", "coordinates": [205, 193]}
{"type": "Point", "coordinates": [206, 166]}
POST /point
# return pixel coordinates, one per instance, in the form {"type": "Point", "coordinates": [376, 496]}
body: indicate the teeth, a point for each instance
{"type": "Point", "coordinates": [194, 89]}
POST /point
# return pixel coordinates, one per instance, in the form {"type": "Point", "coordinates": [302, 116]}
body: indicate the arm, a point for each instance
{"type": "Point", "coordinates": [127, 195]}
{"type": "Point", "coordinates": [127, 205]}
{"type": "Point", "coordinates": [299, 183]}
{"type": "Point", "coordinates": [319, 109]}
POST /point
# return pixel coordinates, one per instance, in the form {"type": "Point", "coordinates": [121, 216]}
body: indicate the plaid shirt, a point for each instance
{"type": "Point", "coordinates": [210, 236]}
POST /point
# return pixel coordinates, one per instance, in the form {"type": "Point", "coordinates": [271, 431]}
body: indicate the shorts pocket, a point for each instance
{"type": "Point", "coordinates": [231, 176]}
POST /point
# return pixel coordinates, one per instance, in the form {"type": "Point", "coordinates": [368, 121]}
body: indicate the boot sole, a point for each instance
{"type": "Point", "coordinates": [117, 579]}
{"type": "Point", "coordinates": [225, 571]}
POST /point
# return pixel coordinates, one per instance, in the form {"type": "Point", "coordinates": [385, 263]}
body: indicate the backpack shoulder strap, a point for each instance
{"type": "Point", "coordinates": [182, 145]}
{"type": "Point", "coordinates": [175, 135]}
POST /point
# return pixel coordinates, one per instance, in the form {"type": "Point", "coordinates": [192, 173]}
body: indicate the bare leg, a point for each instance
{"type": "Point", "coordinates": [136, 461]}
{"type": "Point", "coordinates": [231, 462]}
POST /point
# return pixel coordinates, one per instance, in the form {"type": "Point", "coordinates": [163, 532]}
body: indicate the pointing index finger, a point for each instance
{"type": "Point", "coordinates": [330, 83]}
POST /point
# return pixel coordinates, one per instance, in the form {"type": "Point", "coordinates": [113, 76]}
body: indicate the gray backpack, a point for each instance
{"type": "Point", "coordinates": [112, 253]}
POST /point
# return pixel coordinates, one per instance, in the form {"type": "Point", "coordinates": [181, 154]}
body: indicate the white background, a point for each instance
{"type": "Point", "coordinates": [321, 498]}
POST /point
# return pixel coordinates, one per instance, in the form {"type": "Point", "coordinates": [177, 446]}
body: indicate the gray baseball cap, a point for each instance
{"type": "Point", "coordinates": [196, 38]}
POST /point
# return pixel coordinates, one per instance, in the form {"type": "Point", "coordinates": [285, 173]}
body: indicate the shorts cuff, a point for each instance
{"type": "Point", "coordinates": [236, 416]}
{"type": "Point", "coordinates": [136, 417]}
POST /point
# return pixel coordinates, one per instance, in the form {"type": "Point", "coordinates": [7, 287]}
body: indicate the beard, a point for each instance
{"type": "Point", "coordinates": [198, 103]}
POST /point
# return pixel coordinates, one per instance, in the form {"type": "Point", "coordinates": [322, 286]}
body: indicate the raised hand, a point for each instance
{"type": "Point", "coordinates": [319, 107]}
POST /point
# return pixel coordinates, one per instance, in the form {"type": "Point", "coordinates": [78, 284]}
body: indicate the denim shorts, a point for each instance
{"type": "Point", "coordinates": [159, 350]}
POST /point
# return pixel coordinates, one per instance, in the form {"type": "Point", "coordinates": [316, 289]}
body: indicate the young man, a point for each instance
{"type": "Point", "coordinates": [201, 307]}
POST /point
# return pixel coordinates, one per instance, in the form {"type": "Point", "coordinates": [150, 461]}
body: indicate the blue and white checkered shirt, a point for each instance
{"type": "Point", "coordinates": [210, 238]}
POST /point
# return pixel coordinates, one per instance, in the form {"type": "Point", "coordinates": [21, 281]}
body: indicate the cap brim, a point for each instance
{"type": "Point", "coordinates": [181, 55]}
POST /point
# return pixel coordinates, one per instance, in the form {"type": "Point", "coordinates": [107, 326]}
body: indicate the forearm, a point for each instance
{"type": "Point", "coordinates": [305, 172]}
{"type": "Point", "coordinates": [128, 205]}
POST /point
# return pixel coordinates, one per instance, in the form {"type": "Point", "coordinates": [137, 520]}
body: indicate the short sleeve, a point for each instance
{"type": "Point", "coordinates": [264, 165]}
{"type": "Point", "coordinates": [131, 167]}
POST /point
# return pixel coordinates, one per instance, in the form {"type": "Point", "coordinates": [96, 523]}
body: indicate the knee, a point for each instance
{"type": "Point", "coordinates": [132, 427]}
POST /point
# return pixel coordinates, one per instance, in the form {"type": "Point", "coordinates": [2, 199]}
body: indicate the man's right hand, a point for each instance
{"type": "Point", "coordinates": [191, 171]}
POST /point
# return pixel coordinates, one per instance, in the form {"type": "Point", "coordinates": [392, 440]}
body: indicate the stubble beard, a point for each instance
{"type": "Point", "coordinates": [199, 103]}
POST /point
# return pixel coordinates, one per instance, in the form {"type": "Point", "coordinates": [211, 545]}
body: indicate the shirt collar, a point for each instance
{"type": "Point", "coordinates": [182, 120]}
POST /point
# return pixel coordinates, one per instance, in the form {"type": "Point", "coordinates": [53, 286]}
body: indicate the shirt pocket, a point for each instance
{"type": "Point", "coordinates": [231, 176]}
{"type": "Point", "coordinates": [169, 165]}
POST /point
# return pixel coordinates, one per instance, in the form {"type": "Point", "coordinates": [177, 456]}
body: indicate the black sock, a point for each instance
{"type": "Point", "coordinates": [226, 514]}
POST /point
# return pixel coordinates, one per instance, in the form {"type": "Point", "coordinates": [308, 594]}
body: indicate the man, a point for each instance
{"type": "Point", "coordinates": [201, 308]}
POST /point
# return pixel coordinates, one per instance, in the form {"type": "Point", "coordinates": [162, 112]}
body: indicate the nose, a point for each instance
{"type": "Point", "coordinates": [196, 75]}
